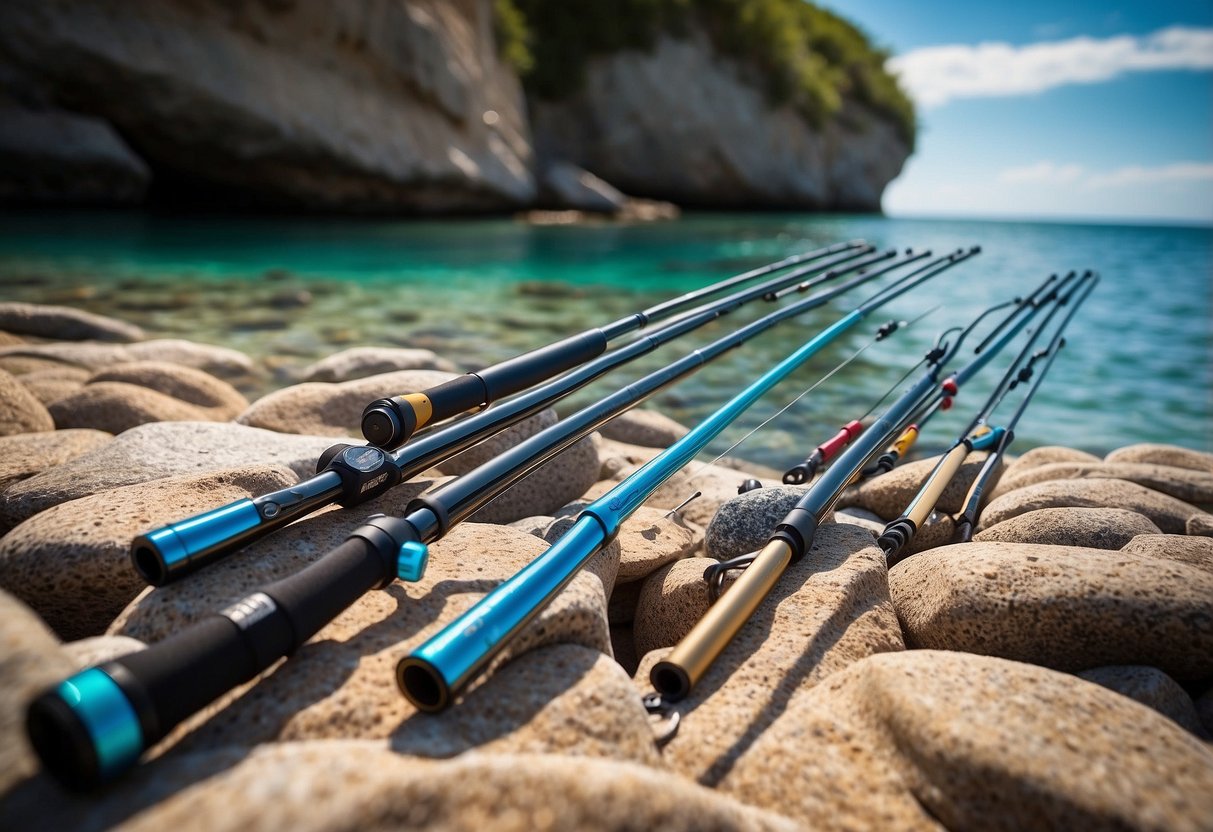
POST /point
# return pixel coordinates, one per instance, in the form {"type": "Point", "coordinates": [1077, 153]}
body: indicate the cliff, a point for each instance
{"type": "Point", "coordinates": [407, 106]}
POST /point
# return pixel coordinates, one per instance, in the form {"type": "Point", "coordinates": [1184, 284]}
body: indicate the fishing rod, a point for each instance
{"type": "Point", "coordinates": [1045, 293]}
{"type": "Point", "coordinates": [968, 515]}
{"type": "Point", "coordinates": [390, 422]}
{"type": "Point", "coordinates": [805, 471]}
{"type": "Point", "coordinates": [977, 436]}
{"type": "Point", "coordinates": [434, 673]}
{"type": "Point", "coordinates": [97, 723]}
{"type": "Point", "coordinates": [353, 474]}
{"type": "Point", "coordinates": [675, 676]}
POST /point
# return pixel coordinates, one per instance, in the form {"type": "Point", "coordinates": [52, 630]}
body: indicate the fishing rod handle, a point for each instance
{"type": "Point", "coordinates": [675, 675]}
{"type": "Point", "coordinates": [389, 423]}
{"type": "Point", "coordinates": [94, 725]}
{"type": "Point", "coordinates": [822, 454]}
{"type": "Point", "coordinates": [346, 474]}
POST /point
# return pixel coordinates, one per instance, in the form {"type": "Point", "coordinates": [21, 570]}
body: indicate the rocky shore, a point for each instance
{"type": "Point", "coordinates": [1055, 672]}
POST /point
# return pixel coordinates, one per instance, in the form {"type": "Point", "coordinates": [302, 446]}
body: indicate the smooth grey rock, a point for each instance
{"type": "Point", "coordinates": [156, 450]}
{"type": "Point", "coordinates": [646, 428]}
{"type": "Point", "coordinates": [64, 323]}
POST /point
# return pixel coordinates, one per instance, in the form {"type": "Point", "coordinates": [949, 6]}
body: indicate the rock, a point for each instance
{"type": "Point", "coordinates": [746, 522]}
{"type": "Point", "coordinates": [1194, 551]}
{"type": "Point", "coordinates": [623, 646]}
{"type": "Point", "coordinates": [26, 454]}
{"type": "Point", "coordinates": [1195, 487]}
{"type": "Point", "coordinates": [115, 407]}
{"type": "Point", "coordinates": [30, 660]}
{"type": "Point", "coordinates": [20, 411]}
{"type": "Point", "coordinates": [361, 362]}
{"type": "Point", "coordinates": [888, 494]}
{"type": "Point", "coordinates": [1152, 688]}
{"type": "Point", "coordinates": [28, 365]}
{"type": "Point", "coordinates": [861, 517]}
{"type": "Point", "coordinates": [161, 449]}
{"type": "Point", "coordinates": [1064, 607]}
{"type": "Point", "coordinates": [1167, 513]}
{"type": "Point", "coordinates": [625, 599]}
{"type": "Point", "coordinates": [414, 111]}
{"type": "Point", "coordinates": [71, 563]}
{"type": "Point", "coordinates": [563, 186]}
{"type": "Point", "coordinates": [563, 478]}
{"type": "Point", "coordinates": [1045, 455]}
{"type": "Point", "coordinates": [1204, 708]}
{"type": "Point", "coordinates": [324, 409]}
{"type": "Point", "coordinates": [183, 383]}
{"type": "Point", "coordinates": [647, 540]}
{"type": "Point", "coordinates": [629, 122]}
{"type": "Point", "coordinates": [96, 650]}
{"type": "Point", "coordinates": [335, 685]}
{"type": "Point", "coordinates": [7, 339]}
{"type": "Point", "coordinates": [50, 390]}
{"type": "Point", "coordinates": [365, 784]}
{"type": "Point", "coordinates": [618, 457]}
{"type": "Point", "coordinates": [218, 361]}
{"type": "Point", "coordinates": [646, 428]}
{"type": "Point", "coordinates": [1091, 528]}
{"type": "Point", "coordinates": [64, 323]}
{"type": "Point", "coordinates": [1157, 454]}
{"type": "Point", "coordinates": [826, 612]}
{"type": "Point", "coordinates": [925, 739]}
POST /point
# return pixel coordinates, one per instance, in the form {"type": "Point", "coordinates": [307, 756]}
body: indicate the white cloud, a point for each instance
{"type": "Point", "coordinates": [938, 74]}
{"type": "Point", "coordinates": [1136, 176]}
{"type": "Point", "coordinates": [1042, 172]}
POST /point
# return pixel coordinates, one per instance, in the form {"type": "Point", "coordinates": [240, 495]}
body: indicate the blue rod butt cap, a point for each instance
{"type": "Point", "coordinates": [170, 551]}
{"type": "Point", "coordinates": [411, 560]}
{"type": "Point", "coordinates": [85, 730]}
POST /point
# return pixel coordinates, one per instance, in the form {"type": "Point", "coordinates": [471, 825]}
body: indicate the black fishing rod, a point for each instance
{"type": "Point", "coordinates": [353, 474]}
{"type": "Point", "coordinates": [674, 677]}
{"type": "Point", "coordinates": [389, 423]}
{"type": "Point", "coordinates": [1045, 293]}
{"type": "Point", "coordinates": [97, 723]}
{"type": "Point", "coordinates": [967, 520]}
{"type": "Point", "coordinates": [977, 435]}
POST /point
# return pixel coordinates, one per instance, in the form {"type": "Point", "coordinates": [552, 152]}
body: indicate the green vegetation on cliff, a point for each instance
{"type": "Point", "coordinates": [803, 55]}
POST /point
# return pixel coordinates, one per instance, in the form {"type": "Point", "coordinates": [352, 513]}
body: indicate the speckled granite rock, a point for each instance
{"type": "Point", "coordinates": [64, 323]}
{"type": "Point", "coordinates": [924, 739]}
{"type": "Point", "coordinates": [71, 562]}
{"type": "Point", "coordinates": [1169, 514]}
{"type": "Point", "coordinates": [325, 409]}
{"type": "Point", "coordinates": [160, 449]}
{"type": "Point", "coordinates": [1194, 551]}
{"type": "Point", "coordinates": [646, 428]}
{"type": "Point", "coordinates": [1064, 607]}
{"type": "Point", "coordinates": [1094, 528]}
{"type": "Point", "coordinates": [745, 523]}
{"type": "Point", "coordinates": [1045, 455]}
{"type": "Point", "coordinates": [1195, 487]}
{"type": "Point", "coordinates": [1152, 688]}
{"type": "Point", "coordinates": [360, 362]}
{"type": "Point", "coordinates": [827, 611]}
{"type": "Point", "coordinates": [26, 454]}
{"type": "Point", "coordinates": [30, 660]}
{"type": "Point", "coordinates": [20, 410]}
{"type": "Point", "coordinates": [1163, 455]}
{"type": "Point", "coordinates": [888, 494]}
{"type": "Point", "coordinates": [321, 786]}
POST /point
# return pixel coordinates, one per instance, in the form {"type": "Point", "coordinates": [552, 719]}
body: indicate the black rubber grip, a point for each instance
{"type": "Point", "coordinates": [530, 368]}
{"type": "Point", "coordinates": [460, 394]}
{"type": "Point", "coordinates": [315, 596]}
{"type": "Point", "coordinates": [798, 528]}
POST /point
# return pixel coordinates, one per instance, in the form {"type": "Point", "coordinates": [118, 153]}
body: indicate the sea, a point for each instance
{"type": "Point", "coordinates": [1137, 365]}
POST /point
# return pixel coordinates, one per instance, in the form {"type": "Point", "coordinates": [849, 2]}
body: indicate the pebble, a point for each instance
{"type": "Point", "coordinates": [1167, 513]}
{"type": "Point", "coordinates": [1195, 487]}
{"type": "Point", "coordinates": [1152, 688]}
{"type": "Point", "coordinates": [20, 410]}
{"type": "Point", "coordinates": [1194, 551]}
{"type": "Point", "coordinates": [360, 362]}
{"type": "Point", "coordinates": [1065, 607]}
{"type": "Point", "coordinates": [888, 494]}
{"type": "Point", "coordinates": [64, 323]}
{"type": "Point", "coordinates": [1093, 528]}
{"type": "Point", "coordinates": [26, 454]}
{"type": "Point", "coordinates": [323, 409]}
{"type": "Point", "coordinates": [156, 450]}
{"type": "Point", "coordinates": [1157, 454]}
{"type": "Point", "coordinates": [646, 428]}
{"type": "Point", "coordinates": [71, 563]}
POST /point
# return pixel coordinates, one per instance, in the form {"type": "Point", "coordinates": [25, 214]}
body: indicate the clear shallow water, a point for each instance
{"type": "Point", "coordinates": [1138, 365]}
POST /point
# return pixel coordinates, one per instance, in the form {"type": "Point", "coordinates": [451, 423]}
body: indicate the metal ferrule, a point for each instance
{"type": "Point", "coordinates": [681, 670]}
{"type": "Point", "coordinates": [108, 719]}
{"type": "Point", "coordinates": [433, 674]}
{"type": "Point", "coordinates": [166, 553]}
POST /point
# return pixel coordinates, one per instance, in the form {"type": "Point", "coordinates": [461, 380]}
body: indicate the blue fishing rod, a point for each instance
{"type": "Point", "coordinates": [977, 435]}
{"type": "Point", "coordinates": [97, 723]}
{"type": "Point", "coordinates": [350, 475]}
{"type": "Point", "coordinates": [435, 672]}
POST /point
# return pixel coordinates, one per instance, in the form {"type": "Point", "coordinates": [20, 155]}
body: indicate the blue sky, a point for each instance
{"type": "Point", "coordinates": [1035, 109]}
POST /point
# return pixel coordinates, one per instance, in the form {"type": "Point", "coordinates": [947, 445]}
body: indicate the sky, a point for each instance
{"type": "Point", "coordinates": [1082, 110]}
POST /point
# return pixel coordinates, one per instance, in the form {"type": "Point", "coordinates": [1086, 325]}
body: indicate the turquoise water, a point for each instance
{"type": "Point", "coordinates": [1137, 367]}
